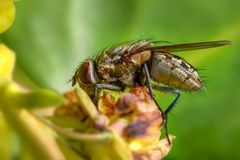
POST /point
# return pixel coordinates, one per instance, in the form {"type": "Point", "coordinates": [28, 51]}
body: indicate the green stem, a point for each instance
{"type": "Point", "coordinates": [102, 136]}
{"type": "Point", "coordinates": [86, 103]}
{"type": "Point", "coordinates": [31, 130]}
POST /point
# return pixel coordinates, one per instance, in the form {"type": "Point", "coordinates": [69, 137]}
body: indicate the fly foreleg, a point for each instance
{"type": "Point", "coordinates": [104, 86]}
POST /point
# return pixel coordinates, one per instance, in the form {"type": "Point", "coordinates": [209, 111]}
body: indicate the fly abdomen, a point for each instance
{"type": "Point", "coordinates": [174, 71]}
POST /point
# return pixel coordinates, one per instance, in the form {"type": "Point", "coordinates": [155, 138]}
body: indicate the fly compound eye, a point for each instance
{"type": "Point", "coordinates": [85, 74]}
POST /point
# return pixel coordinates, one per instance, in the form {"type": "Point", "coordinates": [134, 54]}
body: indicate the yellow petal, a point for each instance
{"type": "Point", "coordinates": [7, 14]}
{"type": "Point", "coordinates": [7, 62]}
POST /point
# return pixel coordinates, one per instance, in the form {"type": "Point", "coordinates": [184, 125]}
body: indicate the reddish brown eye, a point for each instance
{"type": "Point", "coordinates": [87, 70]}
{"type": "Point", "coordinates": [85, 74]}
{"type": "Point", "coordinates": [82, 73]}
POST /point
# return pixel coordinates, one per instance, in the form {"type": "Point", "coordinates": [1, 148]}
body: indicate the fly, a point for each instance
{"type": "Point", "coordinates": [139, 63]}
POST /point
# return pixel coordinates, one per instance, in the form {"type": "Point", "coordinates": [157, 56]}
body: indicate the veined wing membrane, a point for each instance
{"type": "Point", "coordinates": [189, 46]}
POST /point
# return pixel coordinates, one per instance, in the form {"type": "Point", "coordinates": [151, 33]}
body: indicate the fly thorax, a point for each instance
{"type": "Point", "coordinates": [106, 72]}
{"type": "Point", "coordinates": [127, 73]}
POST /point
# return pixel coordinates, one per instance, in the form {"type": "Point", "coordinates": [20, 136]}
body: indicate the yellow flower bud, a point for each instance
{"type": "Point", "coordinates": [7, 14]}
{"type": "Point", "coordinates": [7, 62]}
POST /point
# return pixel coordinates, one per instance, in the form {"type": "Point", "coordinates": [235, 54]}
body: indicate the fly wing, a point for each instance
{"type": "Point", "coordinates": [188, 46]}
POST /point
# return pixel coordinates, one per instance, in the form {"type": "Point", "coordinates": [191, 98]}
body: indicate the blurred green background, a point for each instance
{"type": "Point", "coordinates": [52, 37]}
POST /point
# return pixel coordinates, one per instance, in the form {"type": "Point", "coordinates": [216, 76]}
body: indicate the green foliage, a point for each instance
{"type": "Point", "coordinates": [51, 38]}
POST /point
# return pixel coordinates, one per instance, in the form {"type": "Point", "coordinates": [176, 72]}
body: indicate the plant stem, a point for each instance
{"type": "Point", "coordinates": [33, 132]}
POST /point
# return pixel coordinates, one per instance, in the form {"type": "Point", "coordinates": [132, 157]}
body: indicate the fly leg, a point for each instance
{"type": "Point", "coordinates": [148, 79]}
{"type": "Point", "coordinates": [168, 90]}
{"type": "Point", "coordinates": [171, 106]}
{"type": "Point", "coordinates": [104, 86]}
{"type": "Point", "coordinates": [150, 87]}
